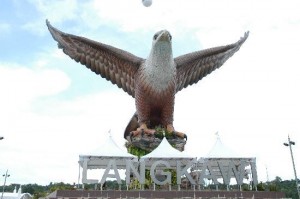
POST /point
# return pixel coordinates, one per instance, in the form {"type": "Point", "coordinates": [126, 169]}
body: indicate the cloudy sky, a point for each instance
{"type": "Point", "coordinates": [52, 109]}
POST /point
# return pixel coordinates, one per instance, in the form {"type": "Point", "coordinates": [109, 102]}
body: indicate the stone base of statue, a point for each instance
{"type": "Point", "coordinates": [148, 143]}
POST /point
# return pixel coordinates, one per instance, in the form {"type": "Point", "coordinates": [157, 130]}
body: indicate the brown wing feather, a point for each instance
{"type": "Point", "coordinates": [194, 66]}
{"type": "Point", "coordinates": [111, 63]}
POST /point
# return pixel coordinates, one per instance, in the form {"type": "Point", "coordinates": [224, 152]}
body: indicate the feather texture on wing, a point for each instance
{"type": "Point", "coordinates": [194, 66]}
{"type": "Point", "coordinates": [113, 64]}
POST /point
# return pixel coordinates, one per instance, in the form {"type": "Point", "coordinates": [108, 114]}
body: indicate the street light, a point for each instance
{"type": "Point", "coordinates": [4, 175]}
{"type": "Point", "coordinates": [290, 143]}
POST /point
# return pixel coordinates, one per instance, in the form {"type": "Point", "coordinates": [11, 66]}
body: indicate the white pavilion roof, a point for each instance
{"type": "Point", "coordinates": [108, 150]}
{"type": "Point", "coordinates": [222, 153]}
{"type": "Point", "coordinates": [219, 150]}
{"type": "Point", "coordinates": [16, 194]}
{"type": "Point", "coordinates": [165, 151]}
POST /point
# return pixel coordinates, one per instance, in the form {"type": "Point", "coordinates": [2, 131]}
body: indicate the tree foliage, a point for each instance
{"type": "Point", "coordinates": [286, 186]}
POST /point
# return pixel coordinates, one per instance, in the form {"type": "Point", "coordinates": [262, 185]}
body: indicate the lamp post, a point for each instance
{"type": "Point", "coordinates": [5, 176]}
{"type": "Point", "coordinates": [290, 143]}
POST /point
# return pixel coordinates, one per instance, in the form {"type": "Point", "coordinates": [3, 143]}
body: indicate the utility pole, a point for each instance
{"type": "Point", "coordinates": [290, 143]}
{"type": "Point", "coordinates": [5, 176]}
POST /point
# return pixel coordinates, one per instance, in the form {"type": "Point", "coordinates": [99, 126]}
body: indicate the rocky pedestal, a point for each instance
{"type": "Point", "coordinates": [149, 143]}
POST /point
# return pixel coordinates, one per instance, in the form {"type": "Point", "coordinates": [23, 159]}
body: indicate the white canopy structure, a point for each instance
{"type": "Point", "coordinates": [105, 157]}
{"type": "Point", "coordinates": [109, 150]}
{"type": "Point", "coordinates": [165, 151]}
{"type": "Point", "coordinates": [16, 194]}
{"type": "Point", "coordinates": [219, 150]}
{"type": "Point", "coordinates": [225, 163]}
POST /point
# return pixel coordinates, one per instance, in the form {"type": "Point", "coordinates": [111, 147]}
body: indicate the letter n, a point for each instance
{"type": "Point", "coordinates": [140, 176]}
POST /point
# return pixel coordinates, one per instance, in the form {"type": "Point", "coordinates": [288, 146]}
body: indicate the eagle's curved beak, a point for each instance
{"type": "Point", "coordinates": [164, 36]}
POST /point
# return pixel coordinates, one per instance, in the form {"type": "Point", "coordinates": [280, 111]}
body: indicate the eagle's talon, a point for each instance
{"type": "Point", "coordinates": [185, 137]}
{"type": "Point", "coordinates": [179, 135]}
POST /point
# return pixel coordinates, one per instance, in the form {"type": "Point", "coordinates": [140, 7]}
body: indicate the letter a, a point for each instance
{"type": "Point", "coordinates": [111, 165]}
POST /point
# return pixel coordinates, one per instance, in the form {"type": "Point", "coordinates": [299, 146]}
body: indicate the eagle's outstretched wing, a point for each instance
{"type": "Point", "coordinates": [114, 64]}
{"type": "Point", "coordinates": [194, 66]}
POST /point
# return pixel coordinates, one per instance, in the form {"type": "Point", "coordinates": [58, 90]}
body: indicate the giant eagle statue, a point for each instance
{"type": "Point", "coordinates": [153, 81]}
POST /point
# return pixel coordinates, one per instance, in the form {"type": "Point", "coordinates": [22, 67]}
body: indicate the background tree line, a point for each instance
{"type": "Point", "coordinates": [37, 191]}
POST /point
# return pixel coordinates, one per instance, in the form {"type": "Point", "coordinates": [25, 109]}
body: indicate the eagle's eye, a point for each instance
{"type": "Point", "coordinates": [170, 36]}
{"type": "Point", "coordinates": [155, 36]}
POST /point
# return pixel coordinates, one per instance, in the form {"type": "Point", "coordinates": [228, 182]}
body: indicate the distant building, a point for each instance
{"type": "Point", "coordinates": [17, 194]}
